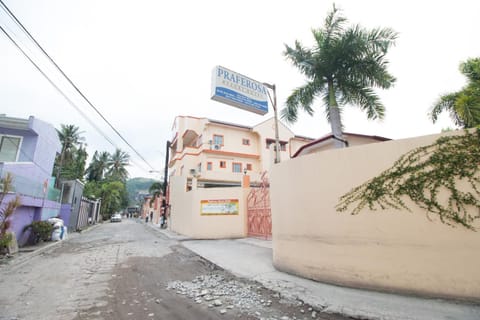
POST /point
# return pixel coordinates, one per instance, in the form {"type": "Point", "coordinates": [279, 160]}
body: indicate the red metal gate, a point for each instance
{"type": "Point", "coordinates": [259, 214]}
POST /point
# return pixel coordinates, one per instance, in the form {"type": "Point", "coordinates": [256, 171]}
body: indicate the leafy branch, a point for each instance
{"type": "Point", "coordinates": [422, 174]}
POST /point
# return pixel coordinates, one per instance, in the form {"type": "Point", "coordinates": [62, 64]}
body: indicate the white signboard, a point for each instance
{"type": "Point", "coordinates": [219, 207]}
{"type": "Point", "coordinates": [239, 91]}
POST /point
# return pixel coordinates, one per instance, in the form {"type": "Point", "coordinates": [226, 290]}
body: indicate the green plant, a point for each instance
{"type": "Point", "coordinates": [42, 230]}
{"type": "Point", "coordinates": [6, 211]}
{"type": "Point", "coordinates": [421, 175]}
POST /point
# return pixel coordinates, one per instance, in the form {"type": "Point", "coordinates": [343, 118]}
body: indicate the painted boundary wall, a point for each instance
{"type": "Point", "coordinates": [31, 209]}
{"type": "Point", "coordinates": [387, 250]}
{"type": "Point", "coordinates": [185, 217]}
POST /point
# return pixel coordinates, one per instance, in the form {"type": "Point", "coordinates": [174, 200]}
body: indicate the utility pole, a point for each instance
{"type": "Point", "coordinates": [165, 182]}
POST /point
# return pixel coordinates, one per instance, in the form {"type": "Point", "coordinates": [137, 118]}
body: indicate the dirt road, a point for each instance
{"type": "Point", "coordinates": [128, 271]}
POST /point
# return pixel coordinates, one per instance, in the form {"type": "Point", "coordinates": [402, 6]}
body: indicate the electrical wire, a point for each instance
{"type": "Point", "coordinates": [14, 18]}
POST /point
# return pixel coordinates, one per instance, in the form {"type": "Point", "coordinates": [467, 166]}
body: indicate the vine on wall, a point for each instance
{"type": "Point", "coordinates": [421, 174]}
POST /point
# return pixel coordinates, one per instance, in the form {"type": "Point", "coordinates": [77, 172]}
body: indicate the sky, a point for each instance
{"type": "Point", "coordinates": [142, 63]}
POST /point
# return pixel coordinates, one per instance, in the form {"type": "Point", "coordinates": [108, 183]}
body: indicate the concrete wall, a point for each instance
{"type": "Point", "coordinates": [389, 250]}
{"type": "Point", "coordinates": [22, 217]}
{"type": "Point", "coordinates": [185, 217]}
{"type": "Point", "coordinates": [31, 209]}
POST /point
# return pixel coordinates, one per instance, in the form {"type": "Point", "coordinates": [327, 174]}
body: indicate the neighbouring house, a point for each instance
{"type": "Point", "coordinates": [219, 153]}
{"type": "Point", "coordinates": [76, 211]}
{"type": "Point", "coordinates": [328, 142]}
{"type": "Point", "coordinates": [28, 148]}
{"type": "Point", "coordinates": [152, 205]}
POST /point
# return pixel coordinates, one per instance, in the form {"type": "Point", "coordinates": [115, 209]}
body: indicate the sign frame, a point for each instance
{"type": "Point", "coordinates": [239, 91]}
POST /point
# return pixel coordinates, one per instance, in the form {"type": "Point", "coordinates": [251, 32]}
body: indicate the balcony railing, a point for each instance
{"type": "Point", "coordinates": [26, 187]}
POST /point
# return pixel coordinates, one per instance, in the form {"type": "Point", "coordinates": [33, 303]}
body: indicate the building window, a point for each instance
{"type": "Point", "coordinates": [209, 166]}
{"type": "Point", "coordinates": [249, 166]}
{"type": "Point", "coordinates": [223, 164]}
{"type": "Point", "coordinates": [271, 142]}
{"type": "Point", "coordinates": [218, 139]}
{"type": "Point", "coordinates": [199, 167]}
{"type": "Point", "coordinates": [9, 148]}
{"type": "Point", "coordinates": [246, 142]}
{"type": "Point", "coordinates": [236, 167]}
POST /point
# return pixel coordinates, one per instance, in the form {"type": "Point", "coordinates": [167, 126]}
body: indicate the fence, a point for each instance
{"type": "Point", "coordinates": [391, 250]}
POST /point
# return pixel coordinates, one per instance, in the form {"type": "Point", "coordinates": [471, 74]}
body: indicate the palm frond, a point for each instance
{"type": "Point", "coordinates": [445, 103]}
{"type": "Point", "coordinates": [334, 24]}
{"type": "Point", "coordinates": [301, 97]}
{"type": "Point", "coordinates": [357, 93]}
{"type": "Point", "coordinates": [300, 58]}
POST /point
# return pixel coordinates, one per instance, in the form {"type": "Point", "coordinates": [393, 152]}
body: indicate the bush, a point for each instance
{"type": "Point", "coordinates": [5, 240]}
{"type": "Point", "coordinates": [42, 230]}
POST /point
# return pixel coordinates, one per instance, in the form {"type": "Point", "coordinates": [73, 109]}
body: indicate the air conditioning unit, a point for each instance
{"type": "Point", "coordinates": [216, 147]}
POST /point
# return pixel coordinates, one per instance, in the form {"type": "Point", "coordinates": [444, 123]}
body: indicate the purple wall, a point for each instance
{"type": "Point", "coordinates": [65, 213]}
{"type": "Point", "coordinates": [47, 146]}
{"type": "Point", "coordinates": [31, 209]}
{"type": "Point", "coordinates": [39, 147]}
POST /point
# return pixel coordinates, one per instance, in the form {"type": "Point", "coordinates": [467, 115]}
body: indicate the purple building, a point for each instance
{"type": "Point", "coordinates": [28, 148]}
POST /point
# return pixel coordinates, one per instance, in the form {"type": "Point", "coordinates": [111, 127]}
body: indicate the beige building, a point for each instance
{"type": "Point", "coordinates": [219, 153]}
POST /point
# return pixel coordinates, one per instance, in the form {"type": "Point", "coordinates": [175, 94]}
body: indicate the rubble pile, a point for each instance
{"type": "Point", "coordinates": [216, 291]}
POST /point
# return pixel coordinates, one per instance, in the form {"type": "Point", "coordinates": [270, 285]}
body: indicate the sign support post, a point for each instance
{"type": "Point", "coordinates": [239, 91]}
{"type": "Point", "coordinates": [275, 112]}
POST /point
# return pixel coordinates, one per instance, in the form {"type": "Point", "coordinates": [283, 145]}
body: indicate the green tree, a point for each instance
{"type": "Point", "coordinates": [156, 190]}
{"type": "Point", "coordinates": [343, 67]}
{"type": "Point", "coordinates": [464, 105]}
{"type": "Point", "coordinates": [112, 197]}
{"type": "Point", "coordinates": [74, 168]}
{"type": "Point", "coordinates": [117, 166]}
{"type": "Point", "coordinates": [70, 138]}
{"type": "Point", "coordinates": [92, 189]}
{"type": "Point", "coordinates": [98, 166]}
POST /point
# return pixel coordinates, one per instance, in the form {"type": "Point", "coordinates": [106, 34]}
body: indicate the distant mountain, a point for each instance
{"type": "Point", "coordinates": [137, 188]}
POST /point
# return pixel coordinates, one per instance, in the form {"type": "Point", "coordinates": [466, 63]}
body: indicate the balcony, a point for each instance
{"type": "Point", "coordinates": [24, 186]}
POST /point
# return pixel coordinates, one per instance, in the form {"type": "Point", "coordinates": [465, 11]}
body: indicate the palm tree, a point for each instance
{"type": "Point", "coordinates": [156, 189]}
{"type": "Point", "coordinates": [117, 164]}
{"type": "Point", "coordinates": [343, 67]}
{"type": "Point", "coordinates": [98, 166]}
{"type": "Point", "coordinates": [463, 105]}
{"type": "Point", "coordinates": [70, 137]}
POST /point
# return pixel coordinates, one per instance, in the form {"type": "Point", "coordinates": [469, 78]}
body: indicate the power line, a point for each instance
{"type": "Point", "coordinates": [57, 88]}
{"type": "Point", "coordinates": [12, 16]}
{"type": "Point", "coordinates": [66, 97]}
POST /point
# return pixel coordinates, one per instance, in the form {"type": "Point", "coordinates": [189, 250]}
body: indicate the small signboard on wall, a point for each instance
{"type": "Point", "coordinates": [219, 207]}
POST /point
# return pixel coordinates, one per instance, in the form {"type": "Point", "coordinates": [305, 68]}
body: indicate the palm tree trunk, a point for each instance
{"type": "Point", "coordinates": [335, 118]}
